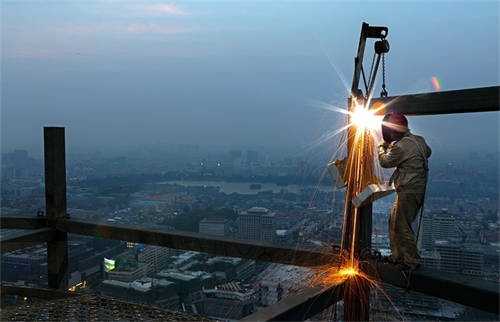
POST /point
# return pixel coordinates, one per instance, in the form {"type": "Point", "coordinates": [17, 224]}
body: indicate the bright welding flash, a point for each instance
{"type": "Point", "coordinates": [365, 119]}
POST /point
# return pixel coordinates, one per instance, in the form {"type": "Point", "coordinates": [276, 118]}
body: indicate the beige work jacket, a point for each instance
{"type": "Point", "coordinates": [409, 155]}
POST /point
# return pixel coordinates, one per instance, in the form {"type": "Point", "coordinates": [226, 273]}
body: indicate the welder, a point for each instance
{"type": "Point", "coordinates": [408, 153]}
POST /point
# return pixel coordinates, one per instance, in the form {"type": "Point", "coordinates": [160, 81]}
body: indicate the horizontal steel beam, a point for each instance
{"type": "Point", "coordinates": [473, 292]}
{"type": "Point", "coordinates": [484, 99]}
{"type": "Point", "coordinates": [221, 246]}
{"type": "Point", "coordinates": [38, 292]}
{"type": "Point", "coordinates": [22, 222]}
{"type": "Point", "coordinates": [26, 239]}
{"type": "Point", "coordinates": [300, 306]}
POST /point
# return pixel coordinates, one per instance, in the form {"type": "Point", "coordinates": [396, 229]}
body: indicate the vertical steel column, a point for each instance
{"type": "Point", "coordinates": [55, 205]}
{"type": "Point", "coordinates": [357, 290]}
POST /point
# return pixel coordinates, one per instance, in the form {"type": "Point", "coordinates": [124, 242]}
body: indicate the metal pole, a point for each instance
{"type": "Point", "coordinates": [55, 205]}
{"type": "Point", "coordinates": [357, 291]}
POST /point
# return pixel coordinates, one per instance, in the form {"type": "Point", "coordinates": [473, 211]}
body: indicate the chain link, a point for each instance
{"type": "Point", "coordinates": [384, 92]}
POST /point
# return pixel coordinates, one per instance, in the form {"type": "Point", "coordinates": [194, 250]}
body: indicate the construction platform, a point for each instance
{"type": "Point", "coordinates": [91, 308]}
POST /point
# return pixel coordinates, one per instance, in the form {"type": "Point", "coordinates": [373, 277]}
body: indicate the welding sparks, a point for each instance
{"type": "Point", "coordinates": [348, 271]}
{"type": "Point", "coordinates": [435, 83]}
{"type": "Point", "coordinates": [362, 132]}
{"type": "Point", "coordinates": [333, 275]}
{"type": "Point", "coordinates": [329, 275]}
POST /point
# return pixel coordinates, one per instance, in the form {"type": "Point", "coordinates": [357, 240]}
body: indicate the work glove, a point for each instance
{"type": "Point", "coordinates": [383, 146]}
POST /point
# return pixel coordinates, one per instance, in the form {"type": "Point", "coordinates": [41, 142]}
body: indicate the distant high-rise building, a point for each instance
{"type": "Point", "coordinates": [130, 273]}
{"type": "Point", "coordinates": [441, 226]}
{"type": "Point", "coordinates": [257, 223]}
{"type": "Point", "coordinates": [444, 226]}
{"type": "Point", "coordinates": [24, 265]}
{"type": "Point", "coordinates": [216, 226]}
{"type": "Point", "coordinates": [430, 259]}
{"type": "Point", "coordinates": [460, 259]}
{"type": "Point", "coordinates": [159, 292]}
{"type": "Point", "coordinates": [155, 256]}
{"type": "Point", "coordinates": [426, 238]}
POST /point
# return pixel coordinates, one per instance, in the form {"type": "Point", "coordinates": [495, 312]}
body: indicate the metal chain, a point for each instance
{"type": "Point", "coordinates": [384, 91]}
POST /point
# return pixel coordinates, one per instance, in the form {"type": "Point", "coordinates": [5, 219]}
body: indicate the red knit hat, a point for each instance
{"type": "Point", "coordinates": [396, 121]}
{"type": "Point", "coordinates": [394, 125]}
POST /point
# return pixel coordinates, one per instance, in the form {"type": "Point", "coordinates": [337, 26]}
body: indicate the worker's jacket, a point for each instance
{"type": "Point", "coordinates": [409, 156]}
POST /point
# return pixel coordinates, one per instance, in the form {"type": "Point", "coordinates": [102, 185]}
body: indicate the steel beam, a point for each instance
{"type": "Point", "coordinates": [480, 294]}
{"type": "Point", "coordinates": [37, 292]}
{"type": "Point", "coordinates": [483, 99]}
{"type": "Point", "coordinates": [300, 306]}
{"type": "Point", "coordinates": [22, 222]}
{"type": "Point", "coordinates": [25, 239]}
{"type": "Point", "coordinates": [55, 205]}
{"type": "Point", "coordinates": [221, 246]}
{"type": "Point", "coordinates": [357, 234]}
{"type": "Point", "coordinates": [356, 289]}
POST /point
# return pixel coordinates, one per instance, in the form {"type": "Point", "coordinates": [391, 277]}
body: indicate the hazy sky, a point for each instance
{"type": "Point", "coordinates": [231, 73]}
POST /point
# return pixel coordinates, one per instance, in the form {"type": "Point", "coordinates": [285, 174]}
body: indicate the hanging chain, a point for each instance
{"type": "Point", "coordinates": [384, 90]}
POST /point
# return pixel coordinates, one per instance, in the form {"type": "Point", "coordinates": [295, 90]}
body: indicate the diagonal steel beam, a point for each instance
{"type": "Point", "coordinates": [483, 99]}
{"type": "Point", "coordinates": [26, 239]}
{"type": "Point", "coordinates": [22, 222]}
{"type": "Point", "coordinates": [300, 306]}
{"type": "Point", "coordinates": [480, 294]}
{"type": "Point", "coordinates": [221, 246]}
{"type": "Point", "coordinates": [38, 292]}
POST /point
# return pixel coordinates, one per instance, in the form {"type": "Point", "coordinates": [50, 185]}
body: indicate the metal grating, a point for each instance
{"type": "Point", "coordinates": [92, 308]}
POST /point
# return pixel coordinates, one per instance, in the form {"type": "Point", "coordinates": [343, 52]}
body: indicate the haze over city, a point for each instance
{"type": "Point", "coordinates": [131, 73]}
{"type": "Point", "coordinates": [226, 160]}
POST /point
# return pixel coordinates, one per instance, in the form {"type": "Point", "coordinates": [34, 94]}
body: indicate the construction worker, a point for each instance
{"type": "Point", "coordinates": [408, 153]}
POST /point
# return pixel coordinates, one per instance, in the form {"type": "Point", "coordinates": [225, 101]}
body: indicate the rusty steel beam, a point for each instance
{"type": "Point", "coordinates": [300, 306]}
{"type": "Point", "coordinates": [221, 246]}
{"type": "Point", "coordinates": [473, 292]}
{"type": "Point", "coordinates": [483, 99]}
{"type": "Point", "coordinates": [25, 239]}
{"type": "Point", "coordinates": [22, 222]}
{"type": "Point", "coordinates": [55, 204]}
{"type": "Point", "coordinates": [37, 292]}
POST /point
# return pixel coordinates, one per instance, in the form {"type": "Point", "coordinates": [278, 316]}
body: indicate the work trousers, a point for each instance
{"type": "Point", "coordinates": [401, 236]}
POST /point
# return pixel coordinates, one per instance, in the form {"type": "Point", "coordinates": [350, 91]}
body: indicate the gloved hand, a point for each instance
{"type": "Point", "coordinates": [383, 146]}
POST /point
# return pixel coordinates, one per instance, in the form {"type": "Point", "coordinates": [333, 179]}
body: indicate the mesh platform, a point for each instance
{"type": "Point", "coordinates": [92, 308]}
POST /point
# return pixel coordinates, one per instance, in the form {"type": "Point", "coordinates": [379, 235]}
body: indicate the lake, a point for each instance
{"type": "Point", "coordinates": [244, 187]}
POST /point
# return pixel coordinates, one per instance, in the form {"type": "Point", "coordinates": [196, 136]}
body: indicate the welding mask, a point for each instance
{"type": "Point", "coordinates": [394, 126]}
